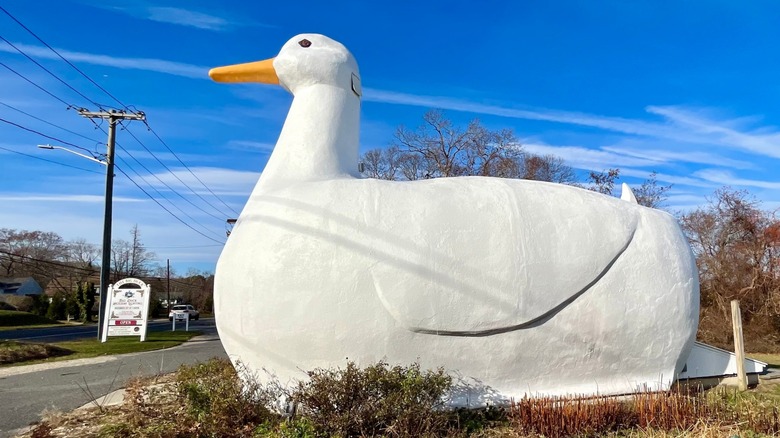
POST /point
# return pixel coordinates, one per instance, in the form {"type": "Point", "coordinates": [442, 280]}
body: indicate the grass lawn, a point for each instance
{"type": "Point", "coordinates": [24, 353]}
{"type": "Point", "coordinates": [12, 319]}
{"type": "Point", "coordinates": [772, 359]}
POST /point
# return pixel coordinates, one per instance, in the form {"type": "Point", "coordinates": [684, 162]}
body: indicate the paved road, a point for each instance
{"type": "Point", "coordinates": [74, 332]}
{"type": "Point", "coordinates": [25, 392]}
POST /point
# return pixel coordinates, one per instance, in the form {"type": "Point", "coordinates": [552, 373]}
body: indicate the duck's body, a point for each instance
{"type": "Point", "coordinates": [526, 287]}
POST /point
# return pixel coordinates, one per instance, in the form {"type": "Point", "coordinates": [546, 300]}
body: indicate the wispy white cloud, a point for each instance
{"type": "Point", "coordinates": [725, 132]}
{"type": "Point", "coordinates": [681, 154]}
{"type": "Point", "coordinates": [679, 124]}
{"type": "Point", "coordinates": [684, 199]}
{"type": "Point", "coordinates": [600, 159]}
{"type": "Point", "coordinates": [628, 126]}
{"type": "Point", "coordinates": [185, 17]}
{"type": "Point", "coordinates": [676, 180]}
{"type": "Point", "coordinates": [146, 64]}
{"type": "Point", "coordinates": [169, 156]}
{"type": "Point", "coordinates": [220, 180]}
{"type": "Point", "coordinates": [188, 17]}
{"type": "Point", "coordinates": [724, 177]}
{"type": "Point", "coordinates": [588, 159]}
{"type": "Point", "coordinates": [251, 145]}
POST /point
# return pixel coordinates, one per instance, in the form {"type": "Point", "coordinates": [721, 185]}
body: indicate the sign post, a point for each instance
{"type": "Point", "coordinates": [127, 309]}
{"type": "Point", "coordinates": [183, 316]}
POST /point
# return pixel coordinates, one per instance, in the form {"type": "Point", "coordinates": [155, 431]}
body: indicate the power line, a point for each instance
{"type": "Point", "coordinates": [50, 72]}
{"type": "Point", "coordinates": [88, 271]}
{"type": "Point", "coordinates": [47, 261]}
{"type": "Point", "coordinates": [167, 186]}
{"type": "Point", "coordinates": [83, 112]}
{"type": "Point", "coordinates": [50, 161]}
{"type": "Point", "coordinates": [177, 177]}
{"type": "Point", "coordinates": [79, 147]}
{"type": "Point", "coordinates": [36, 85]}
{"type": "Point", "coordinates": [49, 123]}
{"type": "Point", "coordinates": [120, 103]}
{"type": "Point", "coordinates": [62, 57]}
{"type": "Point", "coordinates": [142, 178]}
{"type": "Point", "coordinates": [163, 207]}
{"type": "Point", "coordinates": [43, 135]}
{"type": "Point", "coordinates": [160, 193]}
{"type": "Point", "coordinates": [188, 169]}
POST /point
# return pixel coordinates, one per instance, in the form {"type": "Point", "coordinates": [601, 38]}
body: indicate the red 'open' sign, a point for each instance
{"type": "Point", "coordinates": [125, 322]}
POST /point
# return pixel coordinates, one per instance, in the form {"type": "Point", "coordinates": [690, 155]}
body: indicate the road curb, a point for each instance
{"type": "Point", "coordinates": [25, 369]}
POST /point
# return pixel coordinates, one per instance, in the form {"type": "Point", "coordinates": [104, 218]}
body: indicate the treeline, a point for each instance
{"type": "Point", "coordinates": [737, 248]}
{"type": "Point", "coordinates": [736, 242]}
{"type": "Point", "coordinates": [65, 269]}
{"type": "Point", "coordinates": [439, 148]}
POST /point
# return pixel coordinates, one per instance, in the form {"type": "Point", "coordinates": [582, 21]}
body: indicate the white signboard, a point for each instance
{"type": "Point", "coordinates": [127, 309]}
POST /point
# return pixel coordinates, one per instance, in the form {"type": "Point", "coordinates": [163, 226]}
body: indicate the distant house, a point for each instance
{"type": "Point", "coordinates": [67, 285]}
{"type": "Point", "coordinates": [20, 286]}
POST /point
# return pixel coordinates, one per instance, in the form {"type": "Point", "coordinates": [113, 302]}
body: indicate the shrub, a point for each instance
{"type": "Point", "coordinates": [40, 304]}
{"type": "Point", "coordinates": [219, 403]}
{"type": "Point", "coordinates": [376, 400]}
{"type": "Point", "coordinates": [21, 303]}
{"type": "Point", "coordinates": [56, 310]}
{"type": "Point", "coordinates": [72, 310]}
{"type": "Point", "coordinates": [10, 318]}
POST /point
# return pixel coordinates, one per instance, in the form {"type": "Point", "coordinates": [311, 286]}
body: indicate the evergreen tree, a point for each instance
{"type": "Point", "coordinates": [56, 309]}
{"type": "Point", "coordinates": [72, 308]}
{"type": "Point", "coordinates": [86, 299]}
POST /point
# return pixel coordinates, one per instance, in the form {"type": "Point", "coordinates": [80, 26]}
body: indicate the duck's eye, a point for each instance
{"type": "Point", "coordinates": [304, 43]}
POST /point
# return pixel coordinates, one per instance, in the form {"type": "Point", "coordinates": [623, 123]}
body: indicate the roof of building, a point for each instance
{"type": "Point", "coordinates": [11, 285]}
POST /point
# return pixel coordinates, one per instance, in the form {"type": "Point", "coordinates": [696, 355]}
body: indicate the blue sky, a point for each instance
{"type": "Point", "coordinates": [686, 89]}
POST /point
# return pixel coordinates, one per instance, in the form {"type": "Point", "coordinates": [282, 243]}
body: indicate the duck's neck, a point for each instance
{"type": "Point", "coordinates": [319, 139]}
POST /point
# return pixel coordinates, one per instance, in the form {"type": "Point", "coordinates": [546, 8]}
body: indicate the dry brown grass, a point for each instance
{"type": "Point", "coordinates": [648, 412]}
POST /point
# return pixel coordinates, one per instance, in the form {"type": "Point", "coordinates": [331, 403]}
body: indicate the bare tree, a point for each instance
{"type": "Point", "coordinates": [548, 168]}
{"type": "Point", "coordinates": [414, 167]}
{"type": "Point", "coordinates": [437, 141]}
{"type": "Point", "coordinates": [737, 248]}
{"type": "Point", "coordinates": [36, 254]}
{"type": "Point", "coordinates": [439, 148]}
{"type": "Point", "coordinates": [651, 193]}
{"type": "Point", "coordinates": [82, 253]}
{"type": "Point", "coordinates": [131, 259]}
{"type": "Point", "coordinates": [604, 181]}
{"type": "Point", "coordinates": [381, 163]}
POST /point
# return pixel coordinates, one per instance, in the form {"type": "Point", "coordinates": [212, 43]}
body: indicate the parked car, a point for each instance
{"type": "Point", "coordinates": [182, 309]}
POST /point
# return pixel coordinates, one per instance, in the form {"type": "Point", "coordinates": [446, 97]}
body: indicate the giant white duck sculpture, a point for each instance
{"type": "Point", "coordinates": [520, 287]}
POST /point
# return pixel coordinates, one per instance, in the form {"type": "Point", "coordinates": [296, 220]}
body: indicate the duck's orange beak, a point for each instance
{"type": "Point", "coordinates": [259, 71]}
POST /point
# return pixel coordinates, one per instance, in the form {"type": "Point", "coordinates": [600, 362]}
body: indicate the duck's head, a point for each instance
{"type": "Point", "coordinates": [306, 59]}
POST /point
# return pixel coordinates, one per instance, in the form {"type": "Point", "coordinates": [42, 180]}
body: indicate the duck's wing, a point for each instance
{"type": "Point", "coordinates": [479, 256]}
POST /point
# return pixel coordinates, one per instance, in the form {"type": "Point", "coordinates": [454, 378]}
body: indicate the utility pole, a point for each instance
{"type": "Point", "coordinates": [113, 118]}
{"type": "Point", "coordinates": [168, 301]}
